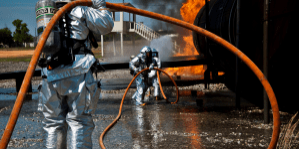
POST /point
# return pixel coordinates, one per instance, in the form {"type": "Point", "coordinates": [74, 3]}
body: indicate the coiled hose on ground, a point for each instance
{"type": "Point", "coordinates": [31, 68]}
{"type": "Point", "coordinates": [122, 101]}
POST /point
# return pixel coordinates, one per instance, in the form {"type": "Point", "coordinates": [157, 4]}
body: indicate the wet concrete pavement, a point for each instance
{"type": "Point", "coordinates": [210, 121]}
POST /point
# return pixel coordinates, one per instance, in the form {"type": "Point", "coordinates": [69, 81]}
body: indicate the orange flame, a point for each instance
{"type": "Point", "coordinates": [189, 11]}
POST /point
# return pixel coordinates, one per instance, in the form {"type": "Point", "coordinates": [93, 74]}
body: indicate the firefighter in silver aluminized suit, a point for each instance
{"type": "Point", "coordinates": [137, 64]}
{"type": "Point", "coordinates": [69, 93]}
{"type": "Point", "coordinates": [153, 78]}
{"type": "Point", "coordinates": [144, 80]}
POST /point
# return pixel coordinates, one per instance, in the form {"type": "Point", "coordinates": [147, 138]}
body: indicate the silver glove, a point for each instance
{"type": "Point", "coordinates": [98, 4]}
{"type": "Point", "coordinates": [136, 70]}
{"type": "Point", "coordinates": [151, 67]}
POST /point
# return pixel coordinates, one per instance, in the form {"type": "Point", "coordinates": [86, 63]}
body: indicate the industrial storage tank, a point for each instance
{"type": "Point", "coordinates": [248, 30]}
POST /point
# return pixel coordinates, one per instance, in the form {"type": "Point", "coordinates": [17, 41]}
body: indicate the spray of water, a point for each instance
{"type": "Point", "coordinates": [164, 45]}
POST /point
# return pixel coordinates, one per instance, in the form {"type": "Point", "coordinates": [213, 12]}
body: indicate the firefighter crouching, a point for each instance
{"type": "Point", "coordinates": [68, 93]}
{"type": "Point", "coordinates": [147, 58]}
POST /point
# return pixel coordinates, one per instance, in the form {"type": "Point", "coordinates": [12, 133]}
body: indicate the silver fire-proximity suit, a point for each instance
{"type": "Point", "coordinates": [145, 79]}
{"type": "Point", "coordinates": [69, 94]}
{"type": "Point", "coordinates": [152, 75]}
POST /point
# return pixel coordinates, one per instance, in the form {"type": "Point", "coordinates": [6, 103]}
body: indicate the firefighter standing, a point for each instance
{"type": "Point", "coordinates": [68, 92]}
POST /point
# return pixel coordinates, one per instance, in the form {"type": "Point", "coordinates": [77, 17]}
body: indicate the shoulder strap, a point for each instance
{"type": "Point", "coordinates": [92, 39]}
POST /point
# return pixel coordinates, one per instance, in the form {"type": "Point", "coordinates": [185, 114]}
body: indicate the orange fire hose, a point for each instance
{"type": "Point", "coordinates": [19, 101]}
{"type": "Point", "coordinates": [122, 101]}
{"type": "Point", "coordinates": [161, 89]}
{"type": "Point", "coordinates": [227, 45]}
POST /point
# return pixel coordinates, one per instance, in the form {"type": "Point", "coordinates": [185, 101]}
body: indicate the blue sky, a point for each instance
{"type": "Point", "coordinates": [11, 10]}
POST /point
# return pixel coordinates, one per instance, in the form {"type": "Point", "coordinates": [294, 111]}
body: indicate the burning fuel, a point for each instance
{"type": "Point", "coordinates": [188, 12]}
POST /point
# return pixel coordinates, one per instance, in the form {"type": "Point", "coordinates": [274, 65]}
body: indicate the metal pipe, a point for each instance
{"type": "Point", "coordinates": [122, 43]}
{"type": "Point", "coordinates": [207, 55]}
{"type": "Point", "coordinates": [31, 68]}
{"type": "Point", "coordinates": [237, 79]}
{"type": "Point", "coordinates": [193, 93]}
{"type": "Point", "coordinates": [122, 101]}
{"type": "Point", "coordinates": [207, 25]}
{"type": "Point", "coordinates": [102, 45]}
{"type": "Point", "coordinates": [265, 59]}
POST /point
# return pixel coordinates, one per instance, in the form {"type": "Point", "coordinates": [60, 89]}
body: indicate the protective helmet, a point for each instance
{"type": "Point", "coordinates": [154, 52]}
{"type": "Point", "coordinates": [145, 49]}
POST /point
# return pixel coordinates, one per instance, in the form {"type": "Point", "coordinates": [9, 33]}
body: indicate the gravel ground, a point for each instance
{"type": "Point", "coordinates": [108, 56]}
{"type": "Point", "coordinates": [240, 116]}
{"type": "Point", "coordinates": [112, 74]}
{"type": "Point", "coordinates": [15, 66]}
{"type": "Point", "coordinates": [20, 66]}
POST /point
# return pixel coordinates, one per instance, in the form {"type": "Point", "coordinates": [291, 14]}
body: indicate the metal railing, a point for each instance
{"type": "Point", "coordinates": [149, 34]}
{"type": "Point", "coordinates": [145, 31]}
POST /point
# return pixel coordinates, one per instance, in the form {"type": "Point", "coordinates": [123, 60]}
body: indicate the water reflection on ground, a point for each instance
{"type": "Point", "coordinates": [207, 122]}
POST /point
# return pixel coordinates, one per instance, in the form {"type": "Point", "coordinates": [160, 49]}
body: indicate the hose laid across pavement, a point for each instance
{"type": "Point", "coordinates": [122, 101]}
{"type": "Point", "coordinates": [228, 46]}
{"type": "Point", "coordinates": [161, 89]}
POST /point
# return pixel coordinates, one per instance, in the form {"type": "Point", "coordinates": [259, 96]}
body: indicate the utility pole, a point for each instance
{"type": "Point", "coordinates": [237, 78]}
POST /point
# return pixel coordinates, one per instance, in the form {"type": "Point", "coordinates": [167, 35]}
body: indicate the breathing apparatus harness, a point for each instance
{"type": "Point", "coordinates": [147, 56]}
{"type": "Point", "coordinates": [155, 53]}
{"type": "Point", "coordinates": [68, 47]}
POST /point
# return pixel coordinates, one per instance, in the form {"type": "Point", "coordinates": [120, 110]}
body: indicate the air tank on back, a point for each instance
{"type": "Point", "coordinates": [45, 9]}
{"type": "Point", "coordinates": [282, 29]}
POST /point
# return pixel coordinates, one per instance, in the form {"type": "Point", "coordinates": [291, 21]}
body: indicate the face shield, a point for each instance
{"type": "Point", "coordinates": [145, 49]}
{"type": "Point", "coordinates": [155, 54]}
{"type": "Point", "coordinates": [143, 57]}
